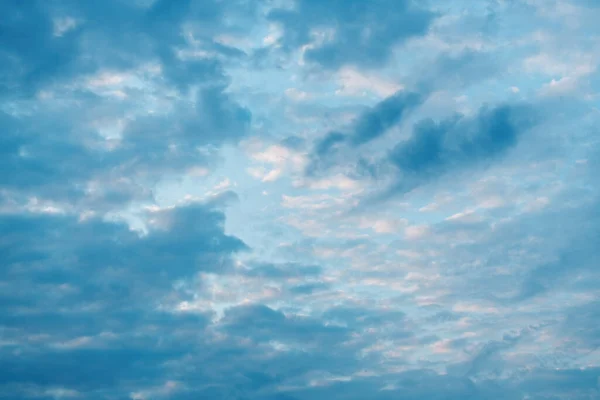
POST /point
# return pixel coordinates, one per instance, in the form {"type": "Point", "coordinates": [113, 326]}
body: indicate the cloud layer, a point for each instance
{"type": "Point", "coordinates": [273, 200]}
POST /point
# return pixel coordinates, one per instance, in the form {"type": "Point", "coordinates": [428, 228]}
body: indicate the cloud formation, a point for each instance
{"type": "Point", "coordinates": [89, 93]}
{"type": "Point", "coordinates": [350, 33]}
{"type": "Point", "coordinates": [299, 200]}
{"type": "Point", "coordinates": [439, 148]}
{"type": "Point", "coordinates": [368, 126]}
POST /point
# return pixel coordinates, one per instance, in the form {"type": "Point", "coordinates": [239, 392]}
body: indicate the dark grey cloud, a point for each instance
{"type": "Point", "coordinates": [98, 258]}
{"type": "Point", "coordinates": [46, 42]}
{"type": "Point", "coordinates": [368, 126]}
{"type": "Point", "coordinates": [81, 311]}
{"type": "Point", "coordinates": [363, 33]}
{"type": "Point", "coordinates": [172, 141]}
{"type": "Point", "coordinates": [53, 150]}
{"type": "Point", "coordinates": [439, 148]}
{"type": "Point", "coordinates": [57, 157]}
{"type": "Point", "coordinates": [376, 121]}
{"type": "Point", "coordinates": [261, 323]}
{"type": "Point", "coordinates": [309, 288]}
{"type": "Point", "coordinates": [88, 307]}
{"type": "Point", "coordinates": [445, 71]}
{"type": "Point", "coordinates": [91, 291]}
{"type": "Point", "coordinates": [83, 296]}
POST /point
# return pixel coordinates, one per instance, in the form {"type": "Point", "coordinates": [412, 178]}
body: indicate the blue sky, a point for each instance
{"type": "Point", "coordinates": [294, 200]}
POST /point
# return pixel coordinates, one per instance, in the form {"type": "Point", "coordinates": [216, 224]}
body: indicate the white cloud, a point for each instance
{"type": "Point", "coordinates": [273, 36]}
{"type": "Point", "coordinates": [107, 79]}
{"type": "Point", "coordinates": [465, 216]}
{"type": "Point", "coordinates": [560, 87]}
{"type": "Point", "coordinates": [276, 160]}
{"type": "Point", "coordinates": [296, 94]}
{"type": "Point", "coordinates": [318, 202]}
{"type": "Point", "coordinates": [338, 181]}
{"type": "Point", "coordinates": [353, 83]}
{"type": "Point", "coordinates": [492, 202]}
{"type": "Point", "coordinates": [475, 308]}
{"type": "Point", "coordinates": [415, 232]}
{"type": "Point", "coordinates": [198, 171]}
{"type": "Point", "coordinates": [384, 225]}
{"type": "Point", "coordinates": [272, 175]}
{"type": "Point", "coordinates": [536, 204]}
{"type": "Point", "coordinates": [568, 63]}
{"type": "Point", "coordinates": [166, 390]}
{"type": "Point", "coordinates": [64, 25]}
{"type": "Point", "coordinates": [223, 185]}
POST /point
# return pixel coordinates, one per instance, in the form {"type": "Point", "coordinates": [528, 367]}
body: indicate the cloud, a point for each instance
{"type": "Point", "coordinates": [457, 70]}
{"type": "Point", "coordinates": [270, 270]}
{"type": "Point", "coordinates": [439, 148]}
{"type": "Point", "coordinates": [90, 38]}
{"type": "Point", "coordinates": [59, 157]}
{"type": "Point", "coordinates": [280, 158]}
{"type": "Point", "coordinates": [261, 323]}
{"type": "Point", "coordinates": [109, 98]}
{"type": "Point", "coordinates": [180, 242]}
{"type": "Point", "coordinates": [356, 33]}
{"type": "Point", "coordinates": [368, 126]}
{"type": "Point", "coordinates": [353, 83]}
{"type": "Point", "coordinates": [481, 283]}
{"type": "Point", "coordinates": [90, 287]}
{"type": "Point", "coordinates": [572, 265]}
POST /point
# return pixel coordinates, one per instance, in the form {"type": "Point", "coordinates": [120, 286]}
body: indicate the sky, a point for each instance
{"type": "Point", "coordinates": [300, 200]}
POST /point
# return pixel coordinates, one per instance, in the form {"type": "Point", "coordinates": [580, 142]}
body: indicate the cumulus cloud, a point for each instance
{"type": "Point", "coordinates": [64, 145]}
{"type": "Point", "coordinates": [89, 287]}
